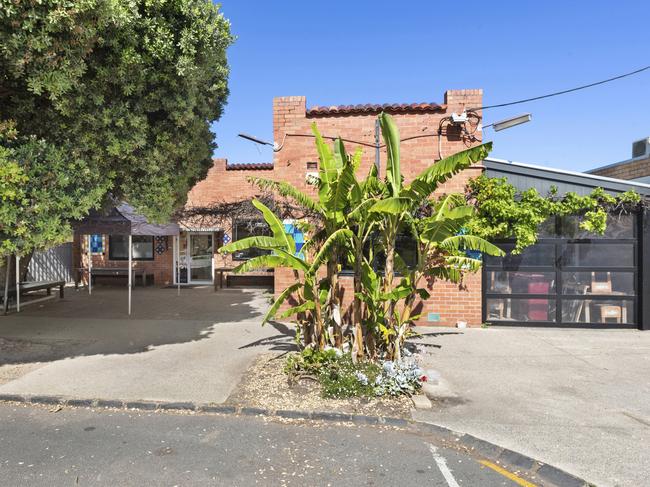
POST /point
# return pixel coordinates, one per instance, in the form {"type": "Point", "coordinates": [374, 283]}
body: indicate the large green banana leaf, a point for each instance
{"type": "Point", "coordinates": [394, 205]}
{"type": "Point", "coordinates": [276, 226]}
{"type": "Point", "coordinates": [390, 132]}
{"type": "Point", "coordinates": [470, 242]}
{"type": "Point", "coordinates": [268, 261]}
{"type": "Point", "coordinates": [284, 295]}
{"type": "Point", "coordinates": [339, 237]}
{"type": "Point", "coordinates": [258, 241]}
{"type": "Point", "coordinates": [288, 191]}
{"type": "Point", "coordinates": [429, 179]}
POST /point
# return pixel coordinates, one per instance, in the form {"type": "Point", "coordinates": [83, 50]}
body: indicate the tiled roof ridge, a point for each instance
{"type": "Point", "coordinates": [249, 166]}
{"type": "Point", "coordinates": [376, 108]}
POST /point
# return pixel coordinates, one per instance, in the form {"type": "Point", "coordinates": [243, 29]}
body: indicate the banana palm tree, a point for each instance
{"type": "Point", "coordinates": [308, 291]}
{"type": "Point", "coordinates": [442, 246]}
{"type": "Point", "coordinates": [336, 180]}
{"type": "Point", "coordinates": [397, 209]}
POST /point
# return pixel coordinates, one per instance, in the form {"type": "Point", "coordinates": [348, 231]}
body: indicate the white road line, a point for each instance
{"type": "Point", "coordinates": [442, 465]}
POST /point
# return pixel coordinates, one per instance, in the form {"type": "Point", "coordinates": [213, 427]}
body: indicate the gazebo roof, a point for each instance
{"type": "Point", "coordinates": [122, 220]}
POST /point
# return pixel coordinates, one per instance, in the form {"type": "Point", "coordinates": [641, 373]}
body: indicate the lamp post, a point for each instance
{"type": "Point", "coordinates": [510, 122]}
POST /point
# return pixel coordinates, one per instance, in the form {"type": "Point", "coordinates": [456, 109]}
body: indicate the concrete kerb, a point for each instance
{"type": "Point", "coordinates": [484, 448]}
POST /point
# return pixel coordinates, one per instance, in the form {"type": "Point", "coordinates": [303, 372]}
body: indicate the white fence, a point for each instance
{"type": "Point", "coordinates": [54, 264]}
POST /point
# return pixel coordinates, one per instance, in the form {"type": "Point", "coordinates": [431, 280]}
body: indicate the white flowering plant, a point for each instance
{"type": "Point", "coordinates": [340, 376]}
{"type": "Point", "coordinates": [399, 377]}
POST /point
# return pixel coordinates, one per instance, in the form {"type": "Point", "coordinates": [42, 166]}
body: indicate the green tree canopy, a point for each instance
{"type": "Point", "coordinates": [104, 97]}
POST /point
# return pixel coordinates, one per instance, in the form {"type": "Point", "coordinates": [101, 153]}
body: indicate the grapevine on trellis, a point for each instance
{"type": "Point", "coordinates": [506, 212]}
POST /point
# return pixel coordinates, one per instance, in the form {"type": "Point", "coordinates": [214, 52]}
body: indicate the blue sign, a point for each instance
{"type": "Point", "coordinates": [96, 244]}
{"type": "Point", "coordinates": [297, 235]}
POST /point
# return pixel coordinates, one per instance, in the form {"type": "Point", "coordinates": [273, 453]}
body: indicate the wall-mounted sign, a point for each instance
{"type": "Point", "coordinates": [96, 244]}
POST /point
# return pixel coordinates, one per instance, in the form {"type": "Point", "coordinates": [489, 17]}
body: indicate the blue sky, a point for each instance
{"type": "Point", "coordinates": [348, 52]}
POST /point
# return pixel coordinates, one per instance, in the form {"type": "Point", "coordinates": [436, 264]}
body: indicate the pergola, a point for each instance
{"type": "Point", "coordinates": [124, 220]}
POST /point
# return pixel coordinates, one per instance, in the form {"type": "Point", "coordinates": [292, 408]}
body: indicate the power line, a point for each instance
{"type": "Point", "coordinates": [565, 91]}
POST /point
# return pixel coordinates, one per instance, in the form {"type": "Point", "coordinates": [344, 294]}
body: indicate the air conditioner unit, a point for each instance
{"type": "Point", "coordinates": [641, 148]}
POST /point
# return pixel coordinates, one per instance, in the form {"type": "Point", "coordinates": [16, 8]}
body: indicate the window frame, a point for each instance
{"type": "Point", "coordinates": [235, 238]}
{"type": "Point", "coordinates": [111, 256]}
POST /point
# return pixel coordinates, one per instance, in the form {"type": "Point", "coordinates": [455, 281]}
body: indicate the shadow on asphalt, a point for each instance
{"type": "Point", "coordinates": [98, 324]}
{"type": "Point", "coordinates": [280, 343]}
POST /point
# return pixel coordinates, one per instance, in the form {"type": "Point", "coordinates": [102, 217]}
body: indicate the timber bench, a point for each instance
{"type": "Point", "coordinates": [31, 286]}
{"type": "Point", "coordinates": [111, 272]}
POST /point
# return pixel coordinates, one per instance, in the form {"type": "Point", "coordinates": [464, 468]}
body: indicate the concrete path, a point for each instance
{"type": "Point", "coordinates": [85, 447]}
{"type": "Point", "coordinates": [173, 348]}
{"type": "Point", "coordinates": [577, 399]}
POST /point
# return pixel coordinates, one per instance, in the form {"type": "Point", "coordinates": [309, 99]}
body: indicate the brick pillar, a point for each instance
{"type": "Point", "coordinates": [289, 113]}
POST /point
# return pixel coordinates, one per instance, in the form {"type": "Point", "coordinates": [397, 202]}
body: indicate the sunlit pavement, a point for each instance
{"type": "Point", "coordinates": [576, 399]}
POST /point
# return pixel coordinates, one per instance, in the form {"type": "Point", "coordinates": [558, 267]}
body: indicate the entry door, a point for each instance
{"type": "Point", "coordinates": [201, 250]}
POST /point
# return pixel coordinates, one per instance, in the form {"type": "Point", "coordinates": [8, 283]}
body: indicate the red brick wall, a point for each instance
{"type": "Point", "coordinates": [222, 185]}
{"type": "Point", "coordinates": [292, 129]}
{"type": "Point", "coordinates": [290, 117]}
{"type": "Point", "coordinates": [161, 267]}
{"type": "Point", "coordinates": [633, 169]}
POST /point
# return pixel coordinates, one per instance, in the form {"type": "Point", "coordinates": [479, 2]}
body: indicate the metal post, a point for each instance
{"type": "Point", "coordinates": [643, 273]}
{"type": "Point", "coordinates": [17, 283]}
{"type": "Point", "coordinates": [377, 149]}
{"type": "Point", "coordinates": [130, 271]}
{"type": "Point", "coordinates": [178, 264]}
{"type": "Point", "coordinates": [5, 302]}
{"type": "Point", "coordinates": [90, 268]}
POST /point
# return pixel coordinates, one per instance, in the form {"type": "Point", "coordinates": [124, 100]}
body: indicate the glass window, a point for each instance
{"type": "Point", "coordinates": [621, 283]}
{"type": "Point", "coordinates": [618, 226]}
{"type": "Point", "coordinates": [598, 311]}
{"type": "Point", "coordinates": [521, 309]}
{"type": "Point", "coordinates": [598, 255]}
{"type": "Point", "coordinates": [407, 248]}
{"type": "Point", "coordinates": [249, 228]}
{"type": "Point", "coordinates": [535, 255]}
{"type": "Point", "coordinates": [118, 247]}
{"type": "Point", "coordinates": [508, 282]}
{"type": "Point", "coordinates": [547, 229]}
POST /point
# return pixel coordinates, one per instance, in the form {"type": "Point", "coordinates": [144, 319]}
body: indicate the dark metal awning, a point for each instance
{"type": "Point", "coordinates": [122, 220]}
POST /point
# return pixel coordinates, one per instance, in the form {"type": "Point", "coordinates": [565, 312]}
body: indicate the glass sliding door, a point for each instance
{"type": "Point", "coordinates": [569, 277]}
{"type": "Point", "coordinates": [201, 253]}
{"type": "Point", "coordinates": [196, 253]}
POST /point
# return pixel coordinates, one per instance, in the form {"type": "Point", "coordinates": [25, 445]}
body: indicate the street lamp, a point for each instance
{"type": "Point", "coordinates": [252, 138]}
{"type": "Point", "coordinates": [510, 122]}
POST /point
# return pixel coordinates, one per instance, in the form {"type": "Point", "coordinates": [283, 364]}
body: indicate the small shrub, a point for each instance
{"type": "Point", "coordinates": [340, 377]}
{"type": "Point", "coordinates": [344, 378]}
{"type": "Point", "coordinates": [403, 377]}
{"type": "Point", "coordinates": [310, 361]}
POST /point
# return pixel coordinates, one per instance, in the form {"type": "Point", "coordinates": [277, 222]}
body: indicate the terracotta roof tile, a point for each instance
{"type": "Point", "coordinates": [251, 166]}
{"type": "Point", "coordinates": [372, 109]}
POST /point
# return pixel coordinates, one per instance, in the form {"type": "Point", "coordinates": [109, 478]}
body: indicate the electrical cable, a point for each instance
{"type": "Point", "coordinates": [367, 144]}
{"type": "Point", "coordinates": [549, 95]}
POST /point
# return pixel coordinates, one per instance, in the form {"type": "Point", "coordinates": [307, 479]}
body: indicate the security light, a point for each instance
{"type": "Point", "coordinates": [510, 122]}
{"type": "Point", "coordinates": [252, 138]}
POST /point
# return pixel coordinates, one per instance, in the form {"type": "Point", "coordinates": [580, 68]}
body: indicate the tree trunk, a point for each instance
{"type": "Point", "coordinates": [389, 274]}
{"type": "Point", "coordinates": [24, 265]}
{"type": "Point", "coordinates": [334, 301]}
{"type": "Point", "coordinates": [317, 313]}
{"type": "Point", "coordinates": [356, 307]}
{"type": "Point", "coordinates": [318, 324]}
